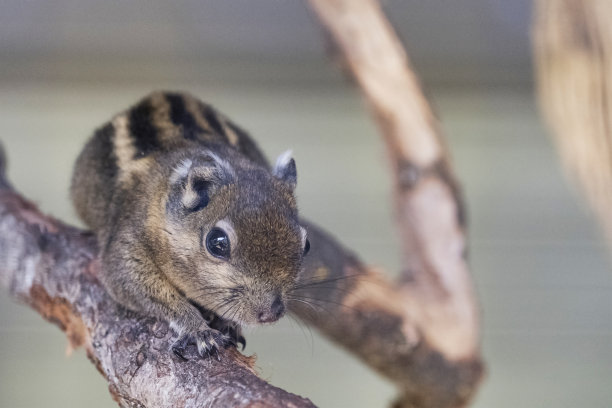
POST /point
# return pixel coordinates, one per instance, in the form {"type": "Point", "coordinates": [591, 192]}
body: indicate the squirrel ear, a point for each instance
{"type": "Point", "coordinates": [285, 169]}
{"type": "Point", "coordinates": [193, 181]}
{"type": "Point", "coordinates": [196, 192]}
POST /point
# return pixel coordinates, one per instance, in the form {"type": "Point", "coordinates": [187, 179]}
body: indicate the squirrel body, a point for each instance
{"type": "Point", "coordinates": [190, 218]}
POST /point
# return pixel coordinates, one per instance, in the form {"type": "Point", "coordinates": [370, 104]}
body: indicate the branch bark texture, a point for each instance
{"type": "Point", "coordinates": [573, 54]}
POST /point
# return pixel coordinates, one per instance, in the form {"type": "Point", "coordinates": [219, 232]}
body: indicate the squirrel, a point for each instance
{"type": "Point", "coordinates": [191, 220]}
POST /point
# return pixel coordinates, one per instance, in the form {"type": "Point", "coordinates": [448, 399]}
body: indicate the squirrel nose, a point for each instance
{"type": "Point", "coordinates": [273, 313]}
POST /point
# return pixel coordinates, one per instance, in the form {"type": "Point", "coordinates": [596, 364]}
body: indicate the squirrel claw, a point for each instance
{"type": "Point", "coordinates": [180, 346]}
{"type": "Point", "coordinates": [235, 335]}
{"type": "Point", "coordinates": [239, 340]}
{"type": "Point", "coordinates": [242, 341]}
{"type": "Point", "coordinates": [208, 343]}
{"type": "Point", "coordinates": [179, 353]}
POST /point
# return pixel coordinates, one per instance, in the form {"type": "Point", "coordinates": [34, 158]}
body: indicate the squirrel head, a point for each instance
{"type": "Point", "coordinates": [234, 240]}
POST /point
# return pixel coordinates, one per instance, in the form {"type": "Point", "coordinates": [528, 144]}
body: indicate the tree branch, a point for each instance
{"type": "Point", "coordinates": [421, 333]}
{"type": "Point", "coordinates": [53, 268]}
{"type": "Point", "coordinates": [430, 346]}
{"type": "Point", "coordinates": [572, 45]}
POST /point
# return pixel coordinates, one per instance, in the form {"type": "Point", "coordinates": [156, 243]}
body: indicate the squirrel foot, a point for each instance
{"type": "Point", "coordinates": [208, 341]}
{"type": "Point", "coordinates": [234, 333]}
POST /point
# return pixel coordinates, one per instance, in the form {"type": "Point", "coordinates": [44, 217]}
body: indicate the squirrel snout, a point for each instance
{"type": "Point", "coordinates": [272, 313]}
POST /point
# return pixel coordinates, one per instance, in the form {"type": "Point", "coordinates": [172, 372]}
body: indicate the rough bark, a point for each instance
{"type": "Point", "coordinates": [422, 333]}
{"type": "Point", "coordinates": [573, 55]}
{"type": "Point", "coordinates": [431, 350]}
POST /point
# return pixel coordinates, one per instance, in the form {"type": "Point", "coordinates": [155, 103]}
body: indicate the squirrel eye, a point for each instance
{"type": "Point", "coordinates": [306, 247]}
{"type": "Point", "coordinates": [218, 243]}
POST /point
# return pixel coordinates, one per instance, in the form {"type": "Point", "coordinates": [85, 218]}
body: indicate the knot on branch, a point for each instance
{"type": "Point", "coordinates": [410, 175]}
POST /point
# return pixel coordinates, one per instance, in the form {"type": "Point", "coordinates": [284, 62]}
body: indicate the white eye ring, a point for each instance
{"type": "Point", "coordinates": [304, 235]}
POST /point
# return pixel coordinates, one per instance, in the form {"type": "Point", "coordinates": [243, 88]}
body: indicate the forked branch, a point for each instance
{"type": "Point", "coordinates": [422, 333]}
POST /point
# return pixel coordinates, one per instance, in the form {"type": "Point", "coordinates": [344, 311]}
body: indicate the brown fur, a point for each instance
{"type": "Point", "coordinates": [154, 181]}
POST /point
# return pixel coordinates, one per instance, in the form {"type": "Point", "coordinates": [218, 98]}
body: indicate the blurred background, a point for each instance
{"type": "Point", "coordinates": [539, 264]}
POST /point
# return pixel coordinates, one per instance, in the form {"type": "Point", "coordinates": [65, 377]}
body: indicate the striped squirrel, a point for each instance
{"type": "Point", "coordinates": [194, 226]}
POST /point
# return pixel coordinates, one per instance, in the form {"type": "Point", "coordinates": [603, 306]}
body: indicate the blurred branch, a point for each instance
{"type": "Point", "coordinates": [573, 54]}
{"type": "Point", "coordinates": [430, 321]}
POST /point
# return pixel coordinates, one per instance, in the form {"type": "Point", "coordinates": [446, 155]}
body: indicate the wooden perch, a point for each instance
{"type": "Point", "coordinates": [573, 55]}
{"type": "Point", "coordinates": [421, 333]}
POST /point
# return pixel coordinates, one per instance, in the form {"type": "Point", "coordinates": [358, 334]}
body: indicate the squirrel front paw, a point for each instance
{"type": "Point", "coordinates": [208, 342]}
